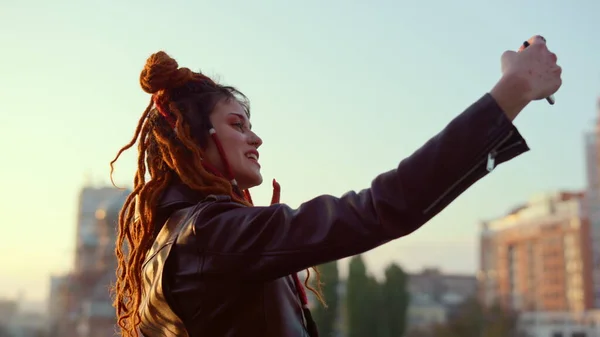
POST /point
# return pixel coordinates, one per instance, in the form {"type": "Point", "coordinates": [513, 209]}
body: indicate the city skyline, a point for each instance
{"type": "Point", "coordinates": [339, 93]}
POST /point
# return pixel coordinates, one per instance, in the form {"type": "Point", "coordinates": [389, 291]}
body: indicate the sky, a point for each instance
{"type": "Point", "coordinates": [340, 91]}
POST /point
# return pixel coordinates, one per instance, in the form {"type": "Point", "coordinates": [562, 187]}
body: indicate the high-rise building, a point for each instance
{"type": "Point", "coordinates": [592, 155]}
{"type": "Point", "coordinates": [80, 301]}
{"type": "Point", "coordinates": [538, 257]}
{"type": "Point", "coordinates": [96, 315]}
{"type": "Point", "coordinates": [90, 199]}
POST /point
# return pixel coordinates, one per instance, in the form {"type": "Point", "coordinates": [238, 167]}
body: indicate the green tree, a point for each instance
{"type": "Point", "coordinates": [395, 300]}
{"type": "Point", "coordinates": [374, 316]}
{"type": "Point", "coordinates": [357, 295]}
{"type": "Point", "coordinates": [326, 317]}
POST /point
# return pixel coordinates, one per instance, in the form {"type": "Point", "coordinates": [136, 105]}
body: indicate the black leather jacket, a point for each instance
{"type": "Point", "coordinates": [218, 268]}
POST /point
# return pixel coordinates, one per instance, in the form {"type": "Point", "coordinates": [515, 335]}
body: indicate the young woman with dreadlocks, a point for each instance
{"type": "Point", "coordinates": [197, 258]}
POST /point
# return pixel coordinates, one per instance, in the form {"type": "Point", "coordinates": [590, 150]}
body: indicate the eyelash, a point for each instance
{"type": "Point", "coordinates": [239, 125]}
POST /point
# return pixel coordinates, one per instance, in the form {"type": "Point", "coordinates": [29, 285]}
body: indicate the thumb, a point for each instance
{"type": "Point", "coordinates": [507, 59]}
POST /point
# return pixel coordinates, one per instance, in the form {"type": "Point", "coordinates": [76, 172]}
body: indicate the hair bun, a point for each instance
{"type": "Point", "coordinates": [162, 72]}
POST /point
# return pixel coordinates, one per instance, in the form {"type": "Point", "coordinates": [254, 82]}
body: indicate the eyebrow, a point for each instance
{"type": "Point", "coordinates": [243, 118]}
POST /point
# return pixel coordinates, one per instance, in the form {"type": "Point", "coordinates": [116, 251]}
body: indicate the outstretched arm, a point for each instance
{"type": "Point", "coordinates": [261, 243]}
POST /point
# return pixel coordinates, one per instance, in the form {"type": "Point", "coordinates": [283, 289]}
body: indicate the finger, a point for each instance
{"type": "Point", "coordinates": [507, 58]}
{"type": "Point", "coordinates": [539, 48]}
{"type": "Point", "coordinates": [534, 40]}
{"type": "Point", "coordinates": [557, 70]}
{"type": "Point", "coordinates": [537, 39]}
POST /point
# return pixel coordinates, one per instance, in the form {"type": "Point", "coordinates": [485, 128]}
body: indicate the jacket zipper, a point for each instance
{"type": "Point", "coordinates": [491, 162]}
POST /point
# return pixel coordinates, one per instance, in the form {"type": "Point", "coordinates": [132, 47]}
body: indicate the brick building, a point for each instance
{"type": "Point", "coordinates": [538, 257]}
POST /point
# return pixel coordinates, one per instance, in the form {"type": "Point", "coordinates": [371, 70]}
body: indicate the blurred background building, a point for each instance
{"type": "Point", "coordinates": [592, 155]}
{"type": "Point", "coordinates": [79, 302]}
{"type": "Point", "coordinates": [543, 258]}
{"type": "Point", "coordinates": [16, 321]}
{"type": "Point", "coordinates": [538, 257]}
{"type": "Point", "coordinates": [434, 296]}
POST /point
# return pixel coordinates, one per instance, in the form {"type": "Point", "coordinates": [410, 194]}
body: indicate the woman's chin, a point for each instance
{"type": "Point", "coordinates": [251, 181]}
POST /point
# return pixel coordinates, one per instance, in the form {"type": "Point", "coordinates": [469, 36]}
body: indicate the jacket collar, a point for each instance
{"type": "Point", "coordinates": [178, 196]}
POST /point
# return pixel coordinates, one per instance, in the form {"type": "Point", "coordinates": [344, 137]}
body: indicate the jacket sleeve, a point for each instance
{"type": "Point", "coordinates": [262, 243]}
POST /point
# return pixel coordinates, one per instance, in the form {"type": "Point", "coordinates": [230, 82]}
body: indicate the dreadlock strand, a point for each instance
{"type": "Point", "coordinates": [194, 175]}
{"type": "Point", "coordinates": [151, 192]}
{"type": "Point", "coordinates": [136, 134]}
{"type": "Point", "coordinates": [125, 216]}
{"type": "Point", "coordinates": [124, 289]}
{"type": "Point", "coordinates": [142, 146]}
{"type": "Point", "coordinates": [198, 177]}
{"type": "Point", "coordinates": [318, 292]}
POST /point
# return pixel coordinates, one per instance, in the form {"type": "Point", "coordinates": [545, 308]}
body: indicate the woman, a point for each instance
{"type": "Point", "coordinates": [203, 261]}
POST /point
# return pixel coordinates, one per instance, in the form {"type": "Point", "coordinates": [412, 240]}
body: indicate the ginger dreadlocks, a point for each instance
{"type": "Point", "coordinates": [171, 135]}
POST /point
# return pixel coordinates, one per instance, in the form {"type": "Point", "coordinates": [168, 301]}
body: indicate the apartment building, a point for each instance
{"type": "Point", "coordinates": [538, 256]}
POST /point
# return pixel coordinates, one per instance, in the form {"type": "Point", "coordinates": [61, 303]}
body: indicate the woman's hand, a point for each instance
{"type": "Point", "coordinates": [528, 75]}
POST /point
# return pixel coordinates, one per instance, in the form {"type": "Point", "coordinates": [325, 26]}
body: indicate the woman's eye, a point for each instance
{"type": "Point", "coordinates": [239, 126]}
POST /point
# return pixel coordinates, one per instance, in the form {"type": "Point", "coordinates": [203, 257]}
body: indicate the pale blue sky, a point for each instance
{"type": "Point", "coordinates": [340, 91]}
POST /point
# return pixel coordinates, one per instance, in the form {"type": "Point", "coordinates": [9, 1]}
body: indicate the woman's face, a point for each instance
{"type": "Point", "coordinates": [239, 143]}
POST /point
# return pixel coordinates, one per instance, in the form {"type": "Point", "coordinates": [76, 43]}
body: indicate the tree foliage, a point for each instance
{"type": "Point", "coordinates": [357, 295]}
{"type": "Point", "coordinates": [376, 309]}
{"type": "Point", "coordinates": [395, 301]}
